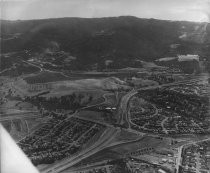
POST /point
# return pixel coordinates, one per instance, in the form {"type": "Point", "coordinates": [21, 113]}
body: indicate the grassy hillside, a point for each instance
{"type": "Point", "coordinates": [117, 39]}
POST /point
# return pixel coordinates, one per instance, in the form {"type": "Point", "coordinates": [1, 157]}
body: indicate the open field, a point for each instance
{"type": "Point", "coordinates": [97, 95]}
{"type": "Point", "coordinates": [45, 77]}
{"type": "Point", "coordinates": [95, 101]}
{"type": "Point", "coordinates": [145, 142]}
{"type": "Point", "coordinates": [124, 150]}
{"type": "Point", "coordinates": [125, 136]}
{"type": "Point", "coordinates": [19, 128]}
{"type": "Point", "coordinates": [19, 68]}
{"type": "Point", "coordinates": [61, 84]}
{"type": "Point", "coordinates": [104, 84]}
{"type": "Point", "coordinates": [48, 76]}
{"type": "Point", "coordinates": [24, 105]}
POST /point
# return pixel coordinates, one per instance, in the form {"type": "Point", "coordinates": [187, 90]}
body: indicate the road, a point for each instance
{"type": "Point", "coordinates": [41, 69]}
{"type": "Point", "coordinates": [179, 158]}
{"type": "Point", "coordinates": [7, 69]}
{"type": "Point", "coordinates": [106, 137]}
{"type": "Point", "coordinates": [124, 107]}
{"type": "Point", "coordinates": [162, 124]}
{"type": "Point", "coordinates": [104, 140]}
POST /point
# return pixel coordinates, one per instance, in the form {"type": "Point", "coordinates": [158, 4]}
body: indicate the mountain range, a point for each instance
{"type": "Point", "coordinates": [120, 41]}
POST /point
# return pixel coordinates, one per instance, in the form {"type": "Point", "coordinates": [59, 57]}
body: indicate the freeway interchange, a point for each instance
{"type": "Point", "coordinates": [111, 131]}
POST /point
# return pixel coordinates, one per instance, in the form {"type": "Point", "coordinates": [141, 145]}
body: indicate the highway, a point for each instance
{"type": "Point", "coordinates": [102, 143]}
{"type": "Point", "coordinates": [104, 140]}
{"type": "Point", "coordinates": [124, 101]}
{"type": "Point", "coordinates": [124, 107]}
{"type": "Point", "coordinates": [107, 136]}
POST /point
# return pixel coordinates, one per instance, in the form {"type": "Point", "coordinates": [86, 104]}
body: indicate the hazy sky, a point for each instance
{"type": "Point", "coordinates": [191, 10]}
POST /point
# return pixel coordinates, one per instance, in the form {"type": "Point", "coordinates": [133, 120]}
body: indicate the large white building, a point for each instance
{"type": "Point", "coordinates": [188, 57]}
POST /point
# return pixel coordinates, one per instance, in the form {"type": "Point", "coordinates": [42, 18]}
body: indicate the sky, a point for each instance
{"type": "Point", "coordinates": [188, 10]}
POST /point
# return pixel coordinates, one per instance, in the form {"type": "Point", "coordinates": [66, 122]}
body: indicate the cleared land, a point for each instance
{"type": "Point", "coordinates": [45, 77]}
